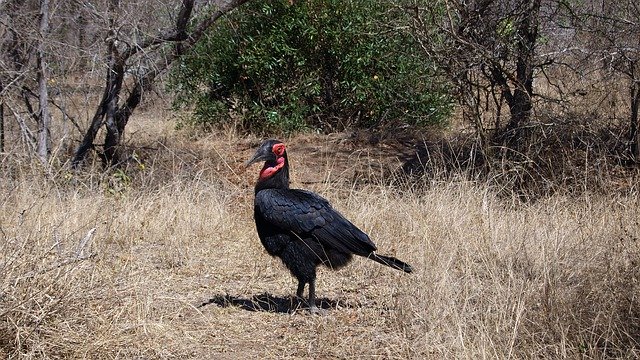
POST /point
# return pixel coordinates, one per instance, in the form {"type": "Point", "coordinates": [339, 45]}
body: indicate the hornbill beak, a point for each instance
{"type": "Point", "coordinates": [260, 155]}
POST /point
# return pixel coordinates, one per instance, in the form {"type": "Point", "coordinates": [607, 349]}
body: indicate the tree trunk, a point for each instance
{"type": "Point", "coordinates": [108, 103]}
{"type": "Point", "coordinates": [520, 104]}
{"type": "Point", "coordinates": [44, 117]}
{"type": "Point", "coordinates": [117, 67]}
{"type": "Point", "coordinates": [112, 138]}
{"type": "Point", "coordinates": [634, 134]}
{"type": "Point", "coordinates": [1, 127]}
{"type": "Point", "coordinates": [1, 119]}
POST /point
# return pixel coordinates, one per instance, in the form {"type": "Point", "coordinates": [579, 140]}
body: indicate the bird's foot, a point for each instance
{"type": "Point", "coordinates": [314, 310]}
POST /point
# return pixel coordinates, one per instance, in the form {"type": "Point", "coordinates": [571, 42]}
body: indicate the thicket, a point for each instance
{"type": "Point", "coordinates": [546, 92]}
{"type": "Point", "coordinates": [321, 65]}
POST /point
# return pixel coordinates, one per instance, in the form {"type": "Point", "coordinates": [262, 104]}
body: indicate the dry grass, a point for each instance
{"type": "Point", "coordinates": [174, 270]}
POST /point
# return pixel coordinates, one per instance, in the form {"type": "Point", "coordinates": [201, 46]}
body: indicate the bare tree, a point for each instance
{"type": "Point", "coordinates": [44, 117]}
{"type": "Point", "coordinates": [133, 41]}
{"type": "Point", "coordinates": [487, 48]}
{"type": "Point", "coordinates": [1, 119]}
{"type": "Point", "coordinates": [2, 35]}
{"type": "Point", "coordinates": [13, 55]}
{"type": "Point", "coordinates": [610, 33]}
{"type": "Point", "coordinates": [143, 59]}
{"type": "Point", "coordinates": [24, 37]}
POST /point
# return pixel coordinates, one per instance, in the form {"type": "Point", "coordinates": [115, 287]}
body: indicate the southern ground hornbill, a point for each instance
{"type": "Point", "coordinates": [301, 228]}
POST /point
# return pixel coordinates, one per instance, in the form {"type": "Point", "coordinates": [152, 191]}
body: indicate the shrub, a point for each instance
{"type": "Point", "coordinates": [325, 65]}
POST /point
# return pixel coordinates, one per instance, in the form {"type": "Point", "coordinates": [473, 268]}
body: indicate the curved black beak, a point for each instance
{"type": "Point", "coordinates": [257, 157]}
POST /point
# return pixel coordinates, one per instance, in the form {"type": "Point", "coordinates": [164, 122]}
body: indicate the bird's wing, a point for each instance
{"type": "Point", "coordinates": [304, 212]}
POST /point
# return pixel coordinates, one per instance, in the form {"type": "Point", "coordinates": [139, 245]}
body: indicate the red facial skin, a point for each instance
{"type": "Point", "coordinates": [268, 171]}
{"type": "Point", "coordinates": [278, 149]}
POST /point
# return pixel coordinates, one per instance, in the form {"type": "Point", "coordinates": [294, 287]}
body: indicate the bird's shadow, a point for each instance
{"type": "Point", "coordinates": [274, 304]}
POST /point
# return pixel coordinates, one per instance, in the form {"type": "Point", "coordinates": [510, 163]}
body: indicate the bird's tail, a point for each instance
{"type": "Point", "coordinates": [391, 262]}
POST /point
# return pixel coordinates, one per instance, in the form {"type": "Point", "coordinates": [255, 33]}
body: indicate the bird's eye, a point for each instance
{"type": "Point", "coordinates": [278, 149]}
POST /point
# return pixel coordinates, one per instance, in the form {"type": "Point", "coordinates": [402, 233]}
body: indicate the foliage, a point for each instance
{"type": "Point", "coordinates": [311, 64]}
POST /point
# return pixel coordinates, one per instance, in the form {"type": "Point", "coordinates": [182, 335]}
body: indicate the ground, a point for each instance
{"type": "Point", "coordinates": [174, 268]}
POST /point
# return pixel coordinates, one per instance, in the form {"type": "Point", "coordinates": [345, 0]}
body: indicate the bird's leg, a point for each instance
{"type": "Point", "coordinates": [312, 298]}
{"type": "Point", "coordinates": [300, 288]}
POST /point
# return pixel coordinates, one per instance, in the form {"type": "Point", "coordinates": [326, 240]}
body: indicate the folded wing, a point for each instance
{"type": "Point", "coordinates": [309, 215]}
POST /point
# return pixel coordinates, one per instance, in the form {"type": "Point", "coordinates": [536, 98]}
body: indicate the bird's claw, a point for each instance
{"type": "Point", "coordinates": [314, 310]}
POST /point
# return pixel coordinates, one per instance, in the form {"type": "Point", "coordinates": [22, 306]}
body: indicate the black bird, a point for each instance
{"type": "Point", "coordinates": [301, 228]}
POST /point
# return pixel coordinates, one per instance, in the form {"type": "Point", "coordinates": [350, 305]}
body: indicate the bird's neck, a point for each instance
{"type": "Point", "coordinates": [274, 175]}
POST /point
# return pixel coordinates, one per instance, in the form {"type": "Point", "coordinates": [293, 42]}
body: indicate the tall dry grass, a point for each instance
{"type": "Point", "coordinates": [174, 269]}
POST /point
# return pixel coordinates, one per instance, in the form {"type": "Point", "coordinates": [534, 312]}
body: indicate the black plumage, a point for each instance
{"type": "Point", "coordinates": [302, 228]}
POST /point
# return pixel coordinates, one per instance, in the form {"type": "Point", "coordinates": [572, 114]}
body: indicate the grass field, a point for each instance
{"type": "Point", "coordinates": [174, 268]}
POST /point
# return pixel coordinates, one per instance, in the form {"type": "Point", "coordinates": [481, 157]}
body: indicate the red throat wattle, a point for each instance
{"type": "Point", "coordinates": [268, 171]}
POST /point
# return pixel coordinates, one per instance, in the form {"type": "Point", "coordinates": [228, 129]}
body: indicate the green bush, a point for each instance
{"type": "Point", "coordinates": [322, 65]}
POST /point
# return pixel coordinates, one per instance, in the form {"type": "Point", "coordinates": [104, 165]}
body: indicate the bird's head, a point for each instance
{"type": "Point", "coordinates": [274, 154]}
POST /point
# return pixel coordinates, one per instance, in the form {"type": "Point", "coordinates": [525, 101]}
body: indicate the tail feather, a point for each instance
{"type": "Point", "coordinates": [391, 262]}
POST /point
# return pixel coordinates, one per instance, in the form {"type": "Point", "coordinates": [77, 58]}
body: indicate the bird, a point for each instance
{"type": "Point", "coordinates": [302, 228]}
